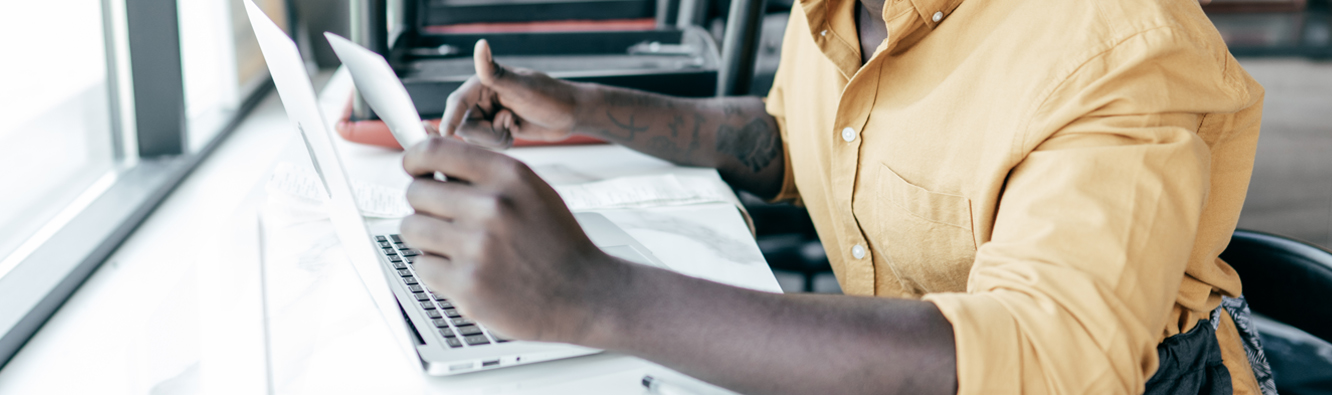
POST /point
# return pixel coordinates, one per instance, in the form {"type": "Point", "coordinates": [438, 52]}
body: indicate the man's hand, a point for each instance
{"type": "Point", "coordinates": [735, 135]}
{"type": "Point", "coordinates": [501, 245]}
{"type": "Point", "coordinates": [500, 103]}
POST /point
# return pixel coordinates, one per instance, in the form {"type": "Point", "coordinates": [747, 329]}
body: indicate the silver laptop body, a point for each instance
{"type": "Point", "coordinates": [418, 335]}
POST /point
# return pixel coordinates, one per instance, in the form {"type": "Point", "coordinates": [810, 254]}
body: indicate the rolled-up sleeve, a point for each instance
{"type": "Point", "coordinates": [775, 104]}
{"type": "Point", "coordinates": [1094, 228]}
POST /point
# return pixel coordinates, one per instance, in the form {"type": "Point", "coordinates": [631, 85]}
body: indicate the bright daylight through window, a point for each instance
{"type": "Point", "coordinates": [56, 135]}
{"type": "Point", "coordinates": [221, 62]}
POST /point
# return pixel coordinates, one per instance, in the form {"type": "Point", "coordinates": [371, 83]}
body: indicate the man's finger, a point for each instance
{"type": "Point", "coordinates": [504, 120]}
{"type": "Point", "coordinates": [435, 273]}
{"type": "Point", "coordinates": [476, 129]}
{"type": "Point", "coordinates": [459, 102]}
{"type": "Point", "coordinates": [492, 74]}
{"type": "Point", "coordinates": [431, 234]}
{"type": "Point", "coordinates": [449, 200]}
{"type": "Point", "coordinates": [456, 159]}
{"type": "Point", "coordinates": [486, 68]}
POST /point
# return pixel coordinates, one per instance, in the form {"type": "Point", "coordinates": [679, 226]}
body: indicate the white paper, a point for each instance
{"type": "Point", "coordinates": [623, 192]}
{"type": "Point", "coordinates": [372, 200]}
{"type": "Point", "coordinates": [640, 191]}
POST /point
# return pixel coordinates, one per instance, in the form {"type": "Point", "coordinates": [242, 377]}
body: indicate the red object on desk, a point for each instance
{"type": "Point", "coordinates": [608, 25]}
{"type": "Point", "coordinates": [377, 133]}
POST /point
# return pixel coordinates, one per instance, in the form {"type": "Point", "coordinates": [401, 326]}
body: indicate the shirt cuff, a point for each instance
{"type": "Point", "coordinates": [986, 340]}
{"type": "Point", "coordinates": [789, 192]}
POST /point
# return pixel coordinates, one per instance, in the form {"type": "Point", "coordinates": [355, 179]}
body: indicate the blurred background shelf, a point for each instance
{"type": "Point", "coordinates": [1274, 28]}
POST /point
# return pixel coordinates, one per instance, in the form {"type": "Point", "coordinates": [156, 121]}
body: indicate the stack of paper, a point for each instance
{"type": "Point", "coordinates": [373, 200]}
{"type": "Point", "coordinates": [622, 192]}
{"type": "Point", "coordinates": [640, 191]}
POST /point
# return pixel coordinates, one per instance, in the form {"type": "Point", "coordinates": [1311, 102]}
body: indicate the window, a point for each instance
{"type": "Point", "coordinates": [105, 106]}
{"type": "Point", "coordinates": [56, 133]}
{"type": "Point", "coordinates": [221, 61]}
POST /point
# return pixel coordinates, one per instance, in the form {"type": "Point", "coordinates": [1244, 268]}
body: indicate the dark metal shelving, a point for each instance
{"type": "Point", "coordinates": [1306, 33]}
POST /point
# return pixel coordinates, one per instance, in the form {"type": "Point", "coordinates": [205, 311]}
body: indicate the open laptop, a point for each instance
{"type": "Point", "coordinates": [427, 328]}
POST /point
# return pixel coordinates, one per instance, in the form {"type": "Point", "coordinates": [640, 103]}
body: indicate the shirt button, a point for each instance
{"type": "Point", "coordinates": [938, 16]}
{"type": "Point", "coordinates": [848, 134]}
{"type": "Point", "coordinates": [858, 252]}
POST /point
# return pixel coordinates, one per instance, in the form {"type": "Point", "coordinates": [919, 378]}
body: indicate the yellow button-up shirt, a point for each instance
{"type": "Point", "coordinates": [1058, 177]}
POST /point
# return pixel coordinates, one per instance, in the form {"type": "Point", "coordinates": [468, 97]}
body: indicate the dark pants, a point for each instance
{"type": "Point", "coordinates": [1191, 362]}
{"type": "Point", "coordinates": [1190, 365]}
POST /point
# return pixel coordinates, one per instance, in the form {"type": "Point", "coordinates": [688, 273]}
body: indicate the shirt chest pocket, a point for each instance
{"type": "Point", "coordinates": [923, 238]}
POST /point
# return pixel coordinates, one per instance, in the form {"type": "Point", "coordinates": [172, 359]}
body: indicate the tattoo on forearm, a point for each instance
{"type": "Point", "coordinates": [668, 147]}
{"type": "Point", "coordinates": [732, 109]}
{"type": "Point", "coordinates": [675, 125]}
{"type": "Point", "coordinates": [632, 128]}
{"type": "Point", "coordinates": [753, 144]}
{"type": "Point", "coordinates": [693, 140]}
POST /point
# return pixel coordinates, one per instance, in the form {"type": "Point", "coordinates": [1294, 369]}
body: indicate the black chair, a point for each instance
{"type": "Point", "coordinates": [1290, 282]}
{"type": "Point", "coordinates": [1284, 279]}
{"type": "Point", "coordinates": [787, 239]}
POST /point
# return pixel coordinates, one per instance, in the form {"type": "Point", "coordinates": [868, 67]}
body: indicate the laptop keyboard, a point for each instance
{"type": "Point", "coordinates": [458, 331]}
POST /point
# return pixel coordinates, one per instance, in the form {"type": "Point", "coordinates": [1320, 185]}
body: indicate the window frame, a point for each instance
{"type": "Point", "coordinates": [150, 132]}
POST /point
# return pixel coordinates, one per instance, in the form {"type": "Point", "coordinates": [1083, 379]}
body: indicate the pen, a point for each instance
{"type": "Point", "coordinates": [658, 387]}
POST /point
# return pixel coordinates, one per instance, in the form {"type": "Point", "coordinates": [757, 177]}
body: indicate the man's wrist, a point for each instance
{"type": "Point", "coordinates": [612, 310]}
{"type": "Point", "coordinates": [588, 98]}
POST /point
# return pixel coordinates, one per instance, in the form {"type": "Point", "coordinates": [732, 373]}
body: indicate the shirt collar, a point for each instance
{"type": "Point", "coordinates": [929, 9]}
{"type": "Point", "coordinates": [833, 27]}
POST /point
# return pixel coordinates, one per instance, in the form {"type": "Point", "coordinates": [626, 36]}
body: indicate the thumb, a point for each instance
{"type": "Point", "coordinates": [490, 73]}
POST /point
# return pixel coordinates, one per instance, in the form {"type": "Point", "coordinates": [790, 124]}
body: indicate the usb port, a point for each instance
{"type": "Point", "coordinates": [490, 363]}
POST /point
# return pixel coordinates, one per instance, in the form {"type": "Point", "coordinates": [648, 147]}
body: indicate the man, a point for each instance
{"type": "Point", "coordinates": [1035, 191]}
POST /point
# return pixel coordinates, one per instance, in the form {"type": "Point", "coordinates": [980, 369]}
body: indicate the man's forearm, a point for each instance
{"type": "Point", "coordinates": [735, 135]}
{"type": "Point", "coordinates": [765, 343]}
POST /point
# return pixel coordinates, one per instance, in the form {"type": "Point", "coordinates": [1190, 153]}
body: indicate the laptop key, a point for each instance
{"type": "Point", "coordinates": [462, 321]}
{"type": "Point", "coordinates": [404, 273]}
{"type": "Point", "coordinates": [422, 297]}
{"type": "Point", "coordinates": [390, 251]}
{"type": "Point", "coordinates": [394, 258]}
{"type": "Point", "coordinates": [469, 330]}
{"type": "Point", "coordinates": [440, 323]}
{"type": "Point", "coordinates": [427, 305]}
{"type": "Point", "coordinates": [380, 239]}
{"type": "Point", "coordinates": [416, 288]}
{"type": "Point", "coordinates": [396, 239]}
{"type": "Point", "coordinates": [452, 313]}
{"type": "Point", "coordinates": [444, 303]}
{"type": "Point", "coordinates": [476, 340]}
{"type": "Point", "coordinates": [410, 252]}
{"type": "Point", "coordinates": [434, 314]}
{"type": "Point", "coordinates": [399, 265]}
{"type": "Point", "coordinates": [446, 332]}
{"type": "Point", "coordinates": [453, 342]}
{"type": "Point", "coordinates": [385, 244]}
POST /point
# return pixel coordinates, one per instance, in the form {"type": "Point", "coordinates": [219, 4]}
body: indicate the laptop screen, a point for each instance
{"type": "Point", "coordinates": [298, 97]}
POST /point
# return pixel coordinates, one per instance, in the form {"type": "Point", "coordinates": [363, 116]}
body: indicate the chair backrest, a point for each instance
{"type": "Point", "coordinates": [1287, 280]}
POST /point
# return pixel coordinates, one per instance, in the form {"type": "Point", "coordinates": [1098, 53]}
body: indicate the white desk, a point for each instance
{"type": "Point", "coordinates": [179, 309]}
